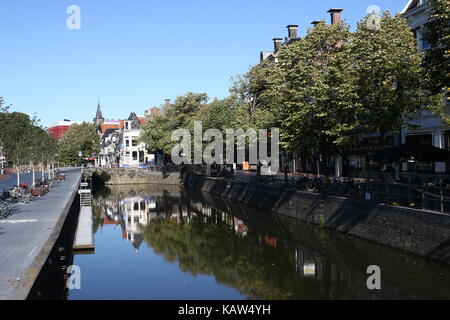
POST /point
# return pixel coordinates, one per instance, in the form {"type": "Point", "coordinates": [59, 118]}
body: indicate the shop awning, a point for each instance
{"type": "Point", "coordinates": [412, 151]}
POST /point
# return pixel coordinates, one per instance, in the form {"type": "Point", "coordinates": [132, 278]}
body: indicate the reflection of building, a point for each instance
{"type": "Point", "coordinates": [137, 212]}
{"type": "Point", "coordinates": [240, 228]}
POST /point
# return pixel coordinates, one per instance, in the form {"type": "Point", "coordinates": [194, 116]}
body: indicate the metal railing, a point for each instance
{"type": "Point", "coordinates": [415, 190]}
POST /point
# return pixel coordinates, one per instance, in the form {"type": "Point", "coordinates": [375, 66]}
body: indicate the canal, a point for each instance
{"type": "Point", "coordinates": [154, 242]}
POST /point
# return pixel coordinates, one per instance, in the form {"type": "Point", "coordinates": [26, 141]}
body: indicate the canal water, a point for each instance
{"type": "Point", "coordinates": [154, 242]}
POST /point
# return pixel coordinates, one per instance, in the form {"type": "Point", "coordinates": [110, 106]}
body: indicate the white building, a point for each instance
{"type": "Point", "coordinates": [108, 156]}
{"type": "Point", "coordinates": [133, 153]}
{"type": "Point", "coordinates": [430, 128]}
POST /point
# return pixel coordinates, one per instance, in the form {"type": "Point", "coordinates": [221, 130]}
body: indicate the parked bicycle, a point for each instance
{"type": "Point", "coordinates": [20, 193]}
{"type": "Point", "coordinates": [5, 209]}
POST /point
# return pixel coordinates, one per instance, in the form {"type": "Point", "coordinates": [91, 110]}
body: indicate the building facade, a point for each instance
{"type": "Point", "coordinates": [119, 140]}
{"type": "Point", "coordinates": [429, 129]}
{"type": "Point", "coordinates": [133, 153]}
{"type": "Point", "coordinates": [60, 128]}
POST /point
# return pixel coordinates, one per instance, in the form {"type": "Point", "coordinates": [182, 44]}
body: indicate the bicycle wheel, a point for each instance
{"type": "Point", "coordinates": [345, 191]}
{"type": "Point", "coordinates": [311, 186]}
{"type": "Point", "coordinates": [4, 210]}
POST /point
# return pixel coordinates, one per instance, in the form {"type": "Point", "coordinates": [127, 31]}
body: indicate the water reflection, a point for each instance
{"type": "Point", "coordinates": [257, 254]}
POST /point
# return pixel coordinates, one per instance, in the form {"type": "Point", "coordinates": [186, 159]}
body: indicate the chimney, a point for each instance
{"type": "Point", "coordinates": [277, 43]}
{"type": "Point", "coordinates": [335, 15]}
{"type": "Point", "coordinates": [167, 102]}
{"type": "Point", "coordinates": [316, 22]}
{"type": "Point", "coordinates": [292, 31]}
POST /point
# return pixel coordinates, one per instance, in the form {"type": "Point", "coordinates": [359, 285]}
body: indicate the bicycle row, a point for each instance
{"type": "Point", "coordinates": [22, 194]}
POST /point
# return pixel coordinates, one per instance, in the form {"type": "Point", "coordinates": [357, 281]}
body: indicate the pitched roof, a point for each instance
{"type": "Point", "coordinates": [108, 131]}
{"type": "Point", "coordinates": [135, 122]}
{"type": "Point", "coordinates": [411, 4]}
{"type": "Point", "coordinates": [105, 127]}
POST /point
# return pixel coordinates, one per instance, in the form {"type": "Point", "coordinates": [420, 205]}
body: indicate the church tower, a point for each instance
{"type": "Point", "coordinates": [98, 120]}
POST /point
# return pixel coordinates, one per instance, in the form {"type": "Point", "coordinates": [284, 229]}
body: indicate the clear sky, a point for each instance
{"type": "Point", "coordinates": [132, 54]}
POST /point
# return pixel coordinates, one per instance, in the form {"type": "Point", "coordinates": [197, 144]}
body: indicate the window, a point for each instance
{"type": "Point", "coordinates": [127, 153]}
{"type": "Point", "coordinates": [126, 125]}
{"type": "Point", "coordinates": [135, 155]}
{"type": "Point", "coordinates": [134, 142]}
{"type": "Point", "coordinates": [127, 143]}
{"type": "Point", "coordinates": [425, 45]}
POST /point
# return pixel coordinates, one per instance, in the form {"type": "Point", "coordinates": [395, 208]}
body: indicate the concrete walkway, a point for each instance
{"type": "Point", "coordinates": [28, 235]}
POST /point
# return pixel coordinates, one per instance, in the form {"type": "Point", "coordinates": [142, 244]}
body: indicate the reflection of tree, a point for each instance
{"type": "Point", "coordinates": [239, 251]}
{"type": "Point", "coordinates": [247, 264]}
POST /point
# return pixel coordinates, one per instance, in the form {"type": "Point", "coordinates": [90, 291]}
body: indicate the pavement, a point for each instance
{"type": "Point", "coordinates": [27, 236]}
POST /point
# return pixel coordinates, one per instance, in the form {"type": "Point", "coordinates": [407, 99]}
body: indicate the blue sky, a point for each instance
{"type": "Point", "coordinates": [133, 54]}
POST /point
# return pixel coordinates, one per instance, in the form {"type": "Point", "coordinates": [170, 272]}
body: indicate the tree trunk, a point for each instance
{"type": "Point", "coordinates": [33, 183]}
{"type": "Point", "coordinates": [18, 175]}
{"type": "Point", "coordinates": [42, 172]}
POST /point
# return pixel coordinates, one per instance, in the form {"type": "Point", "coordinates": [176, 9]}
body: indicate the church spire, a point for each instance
{"type": "Point", "coordinates": [98, 116]}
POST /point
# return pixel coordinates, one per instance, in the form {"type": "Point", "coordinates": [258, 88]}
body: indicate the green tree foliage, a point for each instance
{"type": "Point", "coordinates": [16, 136]}
{"type": "Point", "coordinates": [390, 75]}
{"type": "Point", "coordinates": [3, 106]}
{"type": "Point", "coordinates": [324, 91]}
{"type": "Point", "coordinates": [156, 133]}
{"type": "Point", "coordinates": [23, 140]}
{"type": "Point", "coordinates": [80, 137]}
{"type": "Point", "coordinates": [251, 88]}
{"type": "Point", "coordinates": [219, 114]}
{"type": "Point", "coordinates": [437, 58]}
{"type": "Point", "coordinates": [182, 113]}
{"type": "Point", "coordinates": [315, 90]}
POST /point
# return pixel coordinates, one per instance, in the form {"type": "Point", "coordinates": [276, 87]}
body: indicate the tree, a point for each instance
{"type": "Point", "coordinates": [391, 89]}
{"type": "Point", "coordinates": [437, 57]}
{"type": "Point", "coordinates": [181, 114]}
{"type": "Point", "coordinates": [16, 137]}
{"type": "Point", "coordinates": [219, 114]}
{"type": "Point", "coordinates": [3, 107]}
{"type": "Point", "coordinates": [156, 133]}
{"type": "Point", "coordinates": [79, 138]}
{"type": "Point", "coordinates": [314, 91]}
{"type": "Point", "coordinates": [251, 88]}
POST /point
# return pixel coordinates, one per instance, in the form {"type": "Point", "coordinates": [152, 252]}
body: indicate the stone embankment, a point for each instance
{"type": "Point", "coordinates": [420, 232]}
{"type": "Point", "coordinates": [127, 176]}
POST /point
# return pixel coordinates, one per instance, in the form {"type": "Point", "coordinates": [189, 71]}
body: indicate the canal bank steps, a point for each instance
{"type": "Point", "coordinates": [424, 233]}
{"type": "Point", "coordinates": [27, 236]}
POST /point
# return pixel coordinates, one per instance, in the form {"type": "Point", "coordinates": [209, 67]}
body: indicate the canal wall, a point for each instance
{"type": "Point", "coordinates": [420, 232]}
{"type": "Point", "coordinates": [123, 176]}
